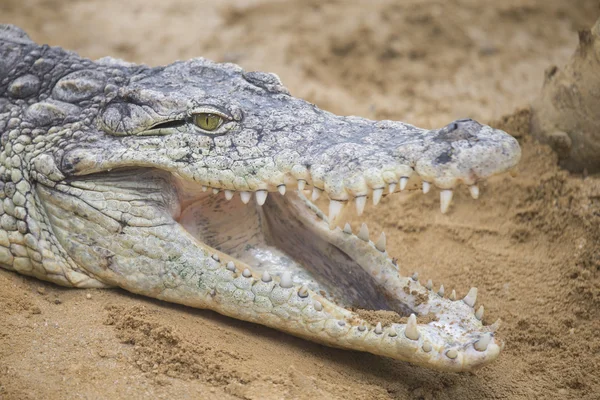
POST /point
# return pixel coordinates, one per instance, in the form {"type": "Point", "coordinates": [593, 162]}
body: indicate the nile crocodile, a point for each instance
{"type": "Point", "coordinates": [202, 184]}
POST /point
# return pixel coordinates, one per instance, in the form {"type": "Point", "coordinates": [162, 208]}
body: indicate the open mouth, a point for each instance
{"type": "Point", "coordinates": [287, 237]}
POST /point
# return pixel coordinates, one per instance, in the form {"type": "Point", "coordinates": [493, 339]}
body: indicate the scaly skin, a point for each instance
{"type": "Point", "coordinates": [95, 194]}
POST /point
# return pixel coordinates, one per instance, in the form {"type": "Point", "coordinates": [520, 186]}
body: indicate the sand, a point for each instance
{"type": "Point", "coordinates": [531, 244]}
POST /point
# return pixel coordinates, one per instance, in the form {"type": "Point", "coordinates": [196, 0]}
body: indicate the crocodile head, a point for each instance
{"type": "Point", "coordinates": [201, 184]}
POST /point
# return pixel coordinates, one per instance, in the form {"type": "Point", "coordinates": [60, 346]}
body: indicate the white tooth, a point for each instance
{"type": "Point", "coordinates": [415, 276]}
{"type": "Point", "coordinates": [301, 184]}
{"type": "Point", "coordinates": [479, 313]}
{"type": "Point", "coordinates": [261, 197]}
{"type": "Point", "coordinates": [429, 284]}
{"type": "Point", "coordinates": [363, 234]}
{"type": "Point", "coordinates": [229, 194]}
{"type": "Point", "coordinates": [392, 333]}
{"type": "Point", "coordinates": [380, 245]}
{"type": "Point", "coordinates": [377, 193]}
{"type": "Point", "coordinates": [452, 354]}
{"type": "Point", "coordinates": [441, 291]}
{"type": "Point", "coordinates": [286, 280]}
{"type": "Point", "coordinates": [403, 183]}
{"type": "Point", "coordinates": [471, 297]}
{"type": "Point", "coordinates": [303, 292]}
{"type": "Point", "coordinates": [378, 329]}
{"type": "Point", "coordinates": [453, 295]}
{"type": "Point", "coordinates": [362, 328]}
{"type": "Point", "coordinates": [392, 188]}
{"type": "Point", "coordinates": [316, 193]}
{"type": "Point", "coordinates": [474, 191]}
{"type": "Point", "coordinates": [230, 266]}
{"type": "Point", "coordinates": [266, 277]}
{"type": "Point", "coordinates": [411, 330]}
{"type": "Point", "coordinates": [335, 208]}
{"type": "Point", "coordinates": [247, 273]}
{"type": "Point", "coordinates": [317, 305]}
{"type": "Point", "coordinates": [216, 257]}
{"type": "Point", "coordinates": [427, 347]}
{"type": "Point", "coordinates": [360, 204]}
{"type": "Point", "coordinates": [483, 342]}
{"type": "Point", "coordinates": [245, 196]}
{"type": "Point", "coordinates": [426, 187]}
{"type": "Point", "coordinates": [445, 200]}
{"type": "Point", "coordinates": [281, 189]}
{"type": "Point", "coordinates": [215, 191]}
{"type": "Point", "coordinates": [204, 188]}
{"type": "Point", "coordinates": [347, 229]}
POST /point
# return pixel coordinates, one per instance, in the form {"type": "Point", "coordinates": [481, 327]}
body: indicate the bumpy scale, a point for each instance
{"type": "Point", "coordinates": [115, 174]}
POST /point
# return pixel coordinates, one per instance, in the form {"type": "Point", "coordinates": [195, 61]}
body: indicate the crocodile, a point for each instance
{"type": "Point", "coordinates": [203, 184]}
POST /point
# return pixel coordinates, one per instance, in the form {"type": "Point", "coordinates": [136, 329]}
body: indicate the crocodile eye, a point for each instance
{"type": "Point", "coordinates": [207, 121]}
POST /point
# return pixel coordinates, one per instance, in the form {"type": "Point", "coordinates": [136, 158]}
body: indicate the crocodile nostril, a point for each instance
{"type": "Point", "coordinates": [452, 127]}
{"type": "Point", "coordinates": [464, 120]}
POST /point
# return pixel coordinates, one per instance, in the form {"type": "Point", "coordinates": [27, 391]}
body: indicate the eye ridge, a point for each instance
{"type": "Point", "coordinates": [208, 121]}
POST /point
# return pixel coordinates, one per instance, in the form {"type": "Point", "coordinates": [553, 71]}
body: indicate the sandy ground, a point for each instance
{"type": "Point", "coordinates": [531, 243]}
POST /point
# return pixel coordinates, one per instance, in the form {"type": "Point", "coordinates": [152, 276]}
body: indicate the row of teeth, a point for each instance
{"type": "Point", "coordinates": [411, 331]}
{"type": "Point", "coordinates": [380, 244]}
{"type": "Point", "coordinates": [336, 206]}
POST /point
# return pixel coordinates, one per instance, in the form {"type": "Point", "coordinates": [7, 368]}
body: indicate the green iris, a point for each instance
{"type": "Point", "coordinates": [207, 121]}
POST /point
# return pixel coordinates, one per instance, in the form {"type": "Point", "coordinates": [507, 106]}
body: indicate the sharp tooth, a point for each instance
{"type": "Point", "coordinates": [316, 193]}
{"type": "Point", "coordinates": [266, 277]}
{"type": "Point", "coordinates": [245, 196]}
{"type": "Point", "coordinates": [411, 330]}
{"type": "Point", "coordinates": [474, 191]}
{"type": "Point", "coordinates": [362, 328]}
{"type": "Point", "coordinates": [392, 188]}
{"type": "Point", "coordinates": [378, 329]}
{"type": "Point", "coordinates": [317, 305]}
{"type": "Point", "coordinates": [392, 333]}
{"type": "Point", "coordinates": [380, 245]}
{"type": "Point", "coordinates": [360, 204]}
{"type": "Point", "coordinates": [281, 189]}
{"type": "Point", "coordinates": [479, 313]}
{"type": "Point", "coordinates": [229, 194]}
{"type": "Point", "coordinates": [453, 295]}
{"type": "Point", "coordinates": [483, 342]}
{"type": "Point", "coordinates": [415, 276]}
{"type": "Point", "coordinates": [452, 354]}
{"type": "Point", "coordinates": [303, 292]}
{"type": "Point", "coordinates": [261, 197]}
{"type": "Point", "coordinates": [445, 200]}
{"type": "Point", "coordinates": [427, 347]}
{"type": "Point", "coordinates": [335, 208]}
{"type": "Point", "coordinates": [286, 280]}
{"type": "Point", "coordinates": [216, 257]}
{"type": "Point", "coordinates": [471, 297]}
{"type": "Point", "coordinates": [363, 234]}
{"type": "Point", "coordinates": [246, 273]}
{"type": "Point", "coordinates": [377, 193]}
{"type": "Point", "coordinates": [426, 187]}
{"type": "Point", "coordinates": [215, 191]}
{"type": "Point", "coordinates": [441, 291]}
{"type": "Point", "coordinates": [347, 229]}
{"type": "Point", "coordinates": [301, 184]}
{"type": "Point", "coordinates": [403, 183]}
{"type": "Point", "coordinates": [230, 266]}
{"type": "Point", "coordinates": [429, 284]}
{"type": "Point", "coordinates": [204, 188]}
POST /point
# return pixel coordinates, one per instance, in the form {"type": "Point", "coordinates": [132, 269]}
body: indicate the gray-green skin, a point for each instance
{"type": "Point", "coordinates": [95, 192]}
